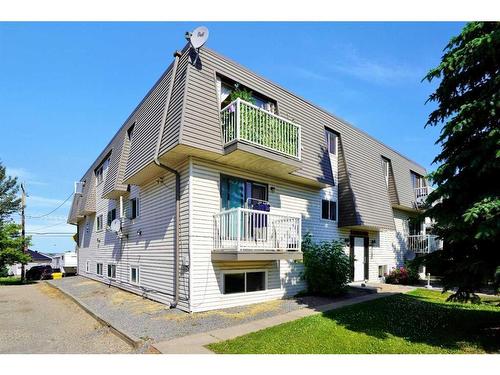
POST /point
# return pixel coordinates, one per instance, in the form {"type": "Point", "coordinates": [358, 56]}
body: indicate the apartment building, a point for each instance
{"type": "Point", "coordinates": [202, 197]}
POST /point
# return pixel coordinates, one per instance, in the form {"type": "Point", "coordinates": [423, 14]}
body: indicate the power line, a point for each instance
{"type": "Point", "coordinates": [55, 209]}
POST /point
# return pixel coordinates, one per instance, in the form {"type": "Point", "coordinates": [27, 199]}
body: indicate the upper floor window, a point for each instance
{"type": "Point", "coordinates": [98, 175]}
{"type": "Point", "coordinates": [99, 171]}
{"type": "Point", "coordinates": [227, 90]}
{"type": "Point", "coordinates": [130, 132]}
{"type": "Point", "coordinates": [386, 169]}
{"type": "Point", "coordinates": [331, 142]}
{"type": "Point", "coordinates": [417, 180]}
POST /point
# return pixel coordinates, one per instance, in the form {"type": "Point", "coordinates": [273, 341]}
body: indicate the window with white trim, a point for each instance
{"type": "Point", "coordinates": [99, 223]}
{"type": "Point", "coordinates": [111, 216]}
{"type": "Point", "coordinates": [386, 168]}
{"type": "Point", "coordinates": [133, 208]}
{"type": "Point", "coordinates": [134, 275]}
{"type": "Point", "coordinates": [328, 210]}
{"type": "Point", "coordinates": [112, 271]}
{"type": "Point", "coordinates": [382, 270]}
{"type": "Point", "coordinates": [87, 266]}
{"type": "Point", "coordinates": [99, 269]}
{"type": "Point", "coordinates": [331, 142]}
{"type": "Point", "coordinates": [244, 282]}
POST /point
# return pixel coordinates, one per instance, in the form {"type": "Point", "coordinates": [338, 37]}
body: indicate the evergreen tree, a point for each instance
{"type": "Point", "coordinates": [467, 197]}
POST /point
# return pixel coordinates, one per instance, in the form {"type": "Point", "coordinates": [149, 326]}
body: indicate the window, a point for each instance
{"type": "Point", "coordinates": [132, 208]}
{"type": "Point", "coordinates": [130, 132]}
{"type": "Point", "coordinates": [331, 141]}
{"type": "Point", "coordinates": [226, 86]}
{"type": "Point", "coordinates": [111, 216]}
{"type": "Point", "coordinates": [99, 222]}
{"type": "Point", "coordinates": [236, 192]}
{"type": "Point", "coordinates": [329, 210]}
{"type": "Point", "coordinates": [385, 168]}
{"type": "Point", "coordinates": [382, 270]}
{"type": "Point", "coordinates": [418, 181]}
{"type": "Point", "coordinates": [112, 271]}
{"type": "Point", "coordinates": [98, 175]}
{"type": "Point", "coordinates": [242, 282]}
{"type": "Point", "coordinates": [87, 266]}
{"type": "Point", "coordinates": [99, 269]}
{"type": "Point", "coordinates": [134, 275]}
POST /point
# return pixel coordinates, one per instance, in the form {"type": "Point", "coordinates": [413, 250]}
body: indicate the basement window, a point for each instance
{"type": "Point", "coordinates": [99, 269]}
{"type": "Point", "coordinates": [112, 271]}
{"type": "Point", "coordinates": [382, 270]}
{"type": "Point", "coordinates": [134, 275]}
{"type": "Point", "coordinates": [242, 282]}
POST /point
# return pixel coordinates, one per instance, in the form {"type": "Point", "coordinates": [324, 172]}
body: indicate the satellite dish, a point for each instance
{"type": "Point", "coordinates": [198, 37]}
{"type": "Point", "coordinates": [116, 226]}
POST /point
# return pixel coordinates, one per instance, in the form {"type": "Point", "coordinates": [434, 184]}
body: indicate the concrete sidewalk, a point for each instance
{"type": "Point", "coordinates": [195, 344]}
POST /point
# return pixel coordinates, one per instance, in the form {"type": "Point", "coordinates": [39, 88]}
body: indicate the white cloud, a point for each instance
{"type": "Point", "coordinates": [35, 201]}
{"type": "Point", "coordinates": [24, 175]}
{"type": "Point", "coordinates": [350, 62]}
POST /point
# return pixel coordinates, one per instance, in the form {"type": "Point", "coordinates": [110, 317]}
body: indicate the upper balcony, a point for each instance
{"type": "Point", "coordinates": [243, 122]}
{"type": "Point", "coordinates": [421, 194]}
{"type": "Point", "coordinates": [247, 234]}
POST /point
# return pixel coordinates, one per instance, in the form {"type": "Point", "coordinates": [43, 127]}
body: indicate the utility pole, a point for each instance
{"type": "Point", "coordinates": [23, 229]}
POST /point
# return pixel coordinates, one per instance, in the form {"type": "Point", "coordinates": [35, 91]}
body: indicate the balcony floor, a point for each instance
{"type": "Point", "coordinates": [242, 255]}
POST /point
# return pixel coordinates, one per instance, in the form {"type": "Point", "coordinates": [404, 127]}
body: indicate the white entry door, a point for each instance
{"type": "Point", "coordinates": [359, 258]}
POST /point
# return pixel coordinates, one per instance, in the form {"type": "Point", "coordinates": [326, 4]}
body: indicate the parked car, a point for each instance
{"type": "Point", "coordinates": [39, 273]}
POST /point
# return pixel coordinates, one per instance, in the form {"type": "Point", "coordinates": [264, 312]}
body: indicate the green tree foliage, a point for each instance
{"type": "Point", "coordinates": [11, 243]}
{"type": "Point", "coordinates": [326, 267]}
{"type": "Point", "coordinates": [467, 198]}
{"type": "Point", "coordinates": [9, 199]}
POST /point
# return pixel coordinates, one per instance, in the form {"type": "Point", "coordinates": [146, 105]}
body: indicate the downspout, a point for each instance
{"type": "Point", "coordinates": [177, 54]}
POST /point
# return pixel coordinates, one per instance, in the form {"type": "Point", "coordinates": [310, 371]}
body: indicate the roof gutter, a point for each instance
{"type": "Point", "coordinates": [157, 161]}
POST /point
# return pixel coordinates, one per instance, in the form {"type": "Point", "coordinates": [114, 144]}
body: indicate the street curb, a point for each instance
{"type": "Point", "coordinates": [135, 342]}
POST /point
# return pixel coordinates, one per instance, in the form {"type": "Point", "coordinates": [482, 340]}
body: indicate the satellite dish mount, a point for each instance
{"type": "Point", "coordinates": [197, 39]}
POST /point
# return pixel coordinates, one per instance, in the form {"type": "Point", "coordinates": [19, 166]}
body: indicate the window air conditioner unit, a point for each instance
{"type": "Point", "coordinates": [79, 187]}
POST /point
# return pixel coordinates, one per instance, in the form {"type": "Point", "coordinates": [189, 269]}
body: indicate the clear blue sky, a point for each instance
{"type": "Point", "coordinates": [65, 88]}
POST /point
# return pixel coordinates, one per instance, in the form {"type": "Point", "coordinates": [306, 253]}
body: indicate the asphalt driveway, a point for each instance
{"type": "Point", "coordinates": [37, 318]}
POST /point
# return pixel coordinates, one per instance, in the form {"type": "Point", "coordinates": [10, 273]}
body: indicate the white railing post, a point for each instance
{"type": "Point", "coordinates": [238, 120]}
{"type": "Point", "coordinates": [238, 229]}
{"type": "Point", "coordinates": [428, 244]}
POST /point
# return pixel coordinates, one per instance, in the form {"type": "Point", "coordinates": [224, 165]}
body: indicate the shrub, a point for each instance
{"type": "Point", "coordinates": [407, 275]}
{"type": "Point", "coordinates": [4, 271]}
{"type": "Point", "coordinates": [327, 267]}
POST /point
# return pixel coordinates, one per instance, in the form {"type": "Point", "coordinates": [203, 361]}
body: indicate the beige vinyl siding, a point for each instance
{"type": "Point", "coordinates": [148, 117]}
{"type": "Point", "coordinates": [389, 247]}
{"type": "Point", "coordinates": [113, 184]}
{"type": "Point", "coordinates": [149, 244]}
{"type": "Point", "coordinates": [201, 128]}
{"type": "Point", "coordinates": [283, 276]}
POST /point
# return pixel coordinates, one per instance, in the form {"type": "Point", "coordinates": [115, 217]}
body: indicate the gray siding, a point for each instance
{"type": "Point", "coordinates": [366, 191]}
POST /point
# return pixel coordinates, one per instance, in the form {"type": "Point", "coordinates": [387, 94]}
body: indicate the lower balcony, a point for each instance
{"type": "Point", "coordinates": [423, 243]}
{"type": "Point", "coordinates": [247, 234]}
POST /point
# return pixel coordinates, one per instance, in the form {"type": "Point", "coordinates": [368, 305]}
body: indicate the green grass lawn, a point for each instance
{"type": "Point", "coordinates": [10, 280]}
{"type": "Point", "coordinates": [418, 322]}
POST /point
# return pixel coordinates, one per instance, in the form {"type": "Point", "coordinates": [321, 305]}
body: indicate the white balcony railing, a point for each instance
{"type": "Point", "coordinates": [423, 243]}
{"type": "Point", "coordinates": [242, 229]}
{"type": "Point", "coordinates": [421, 194]}
{"type": "Point", "coordinates": [243, 121]}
